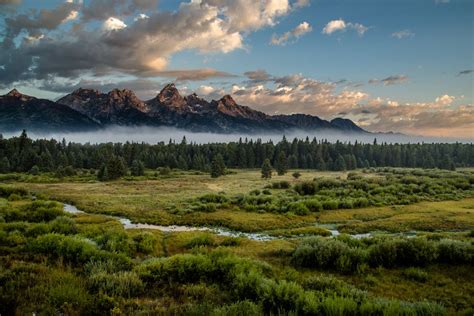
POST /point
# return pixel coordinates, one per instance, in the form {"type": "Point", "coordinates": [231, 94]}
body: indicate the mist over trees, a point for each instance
{"type": "Point", "coordinates": [22, 154]}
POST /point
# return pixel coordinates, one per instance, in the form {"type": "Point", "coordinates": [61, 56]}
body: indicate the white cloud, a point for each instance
{"type": "Point", "coordinates": [112, 24]}
{"type": "Point", "coordinates": [333, 26]}
{"type": "Point", "coordinates": [403, 34]}
{"type": "Point", "coordinates": [296, 33]}
{"type": "Point", "coordinates": [341, 26]}
{"type": "Point", "coordinates": [445, 99]}
{"type": "Point", "coordinates": [141, 16]}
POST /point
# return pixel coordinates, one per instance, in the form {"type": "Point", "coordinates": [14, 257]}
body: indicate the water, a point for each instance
{"type": "Point", "coordinates": [127, 224]}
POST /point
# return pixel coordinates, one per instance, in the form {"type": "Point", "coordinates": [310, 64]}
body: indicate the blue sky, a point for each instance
{"type": "Point", "coordinates": [419, 47]}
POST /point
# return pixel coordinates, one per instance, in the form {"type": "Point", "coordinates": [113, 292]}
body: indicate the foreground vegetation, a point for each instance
{"type": "Point", "coordinates": [55, 263]}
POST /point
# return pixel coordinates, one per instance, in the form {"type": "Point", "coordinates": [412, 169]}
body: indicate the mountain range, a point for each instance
{"type": "Point", "coordinates": [89, 109]}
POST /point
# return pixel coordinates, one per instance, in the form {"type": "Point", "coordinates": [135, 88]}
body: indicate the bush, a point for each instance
{"type": "Point", "coordinates": [63, 225]}
{"type": "Point", "coordinates": [298, 208]}
{"type": "Point", "coordinates": [330, 205]}
{"type": "Point", "coordinates": [306, 188]}
{"type": "Point", "coordinates": [319, 253]}
{"type": "Point", "coordinates": [145, 242]}
{"type": "Point", "coordinates": [123, 283]}
{"type": "Point", "coordinates": [280, 185]}
{"type": "Point", "coordinates": [214, 198]}
{"type": "Point", "coordinates": [402, 252]}
{"type": "Point", "coordinates": [313, 205]}
{"type": "Point", "coordinates": [455, 252]}
{"type": "Point", "coordinates": [164, 171]}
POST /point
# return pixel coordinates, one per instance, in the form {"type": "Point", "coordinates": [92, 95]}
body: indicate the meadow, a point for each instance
{"type": "Point", "coordinates": [416, 258]}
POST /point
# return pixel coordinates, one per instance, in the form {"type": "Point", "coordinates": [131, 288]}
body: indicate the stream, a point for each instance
{"type": "Point", "coordinates": [127, 224]}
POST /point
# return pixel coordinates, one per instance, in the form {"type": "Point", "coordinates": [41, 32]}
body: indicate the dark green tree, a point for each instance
{"type": "Point", "coordinates": [116, 168]}
{"type": "Point", "coordinates": [217, 166]}
{"type": "Point", "coordinates": [138, 168]}
{"type": "Point", "coordinates": [281, 164]}
{"type": "Point", "coordinates": [103, 174]}
{"type": "Point", "coordinates": [266, 169]}
{"type": "Point", "coordinates": [4, 165]}
{"type": "Point", "coordinates": [340, 164]}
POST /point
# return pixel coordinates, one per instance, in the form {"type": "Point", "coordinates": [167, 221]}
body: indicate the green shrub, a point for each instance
{"type": "Point", "coordinates": [298, 208]}
{"type": "Point", "coordinates": [306, 188]}
{"type": "Point", "coordinates": [455, 252]}
{"type": "Point", "coordinates": [330, 205]}
{"type": "Point", "coordinates": [280, 185]}
{"type": "Point", "coordinates": [123, 283]}
{"type": "Point", "coordinates": [213, 198]}
{"type": "Point", "coordinates": [145, 242]}
{"type": "Point", "coordinates": [63, 225]}
{"type": "Point", "coordinates": [313, 205]}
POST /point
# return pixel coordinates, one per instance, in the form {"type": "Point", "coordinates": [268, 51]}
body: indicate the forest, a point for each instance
{"type": "Point", "coordinates": [21, 154]}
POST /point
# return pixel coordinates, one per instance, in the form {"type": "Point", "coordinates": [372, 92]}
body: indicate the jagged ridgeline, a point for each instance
{"type": "Point", "coordinates": [22, 154]}
{"type": "Point", "coordinates": [88, 109]}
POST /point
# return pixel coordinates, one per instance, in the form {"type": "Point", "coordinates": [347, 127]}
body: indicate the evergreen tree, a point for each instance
{"type": "Point", "coordinates": [217, 166]}
{"type": "Point", "coordinates": [340, 164]}
{"type": "Point", "coordinates": [281, 165]}
{"type": "Point", "coordinates": [4, 165]}
{"type": "Point", "coordinates": [103, 174]}
{"type": "Point", "coordinates": [116, 168]}
{"type": "Point", "coordinates": [266, 169]}
{"type": "Point", "coordinates": [137, 168]}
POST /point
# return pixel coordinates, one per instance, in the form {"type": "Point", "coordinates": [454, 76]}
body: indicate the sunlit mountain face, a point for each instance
{"type": "Point", "coordinates": [240, 66]}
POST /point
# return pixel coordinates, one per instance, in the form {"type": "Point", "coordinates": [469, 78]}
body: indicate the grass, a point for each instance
{"type": "Point", "coordinates": [423, 216]}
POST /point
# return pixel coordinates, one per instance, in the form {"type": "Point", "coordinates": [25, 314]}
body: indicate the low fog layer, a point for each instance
{"type": "Point", "coordinates": [164, 134]}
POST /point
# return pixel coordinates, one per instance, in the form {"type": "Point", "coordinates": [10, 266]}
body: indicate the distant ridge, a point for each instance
{"type": "Point", "coordinates": [89, 109]}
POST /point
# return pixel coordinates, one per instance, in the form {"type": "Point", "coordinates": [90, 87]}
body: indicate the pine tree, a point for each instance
{"type": "Point", "coordinates": [116, 168]}
{"type": "Point", "coordinates": [266, 169]}
{"type": "Point", "coordinates": [4, 165]}
{"type": "Point", "coordinates": [217, 166]}
{"type": "Point", "coordinates": [340, 164]}
{"type": "Point", "coordinates": [281, 165]}
{"type": "Point", "coordinates": [138, 168]}
{"type": "Point", "coordinates": [103, 174]}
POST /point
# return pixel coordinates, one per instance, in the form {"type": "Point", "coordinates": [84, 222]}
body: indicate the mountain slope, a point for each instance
{"type": "Point", "coordinates": [120, 107]}
{"type": "Point", "coordinates": [88, 109]}
{"type": "Point", "coordinates": [19, 111]}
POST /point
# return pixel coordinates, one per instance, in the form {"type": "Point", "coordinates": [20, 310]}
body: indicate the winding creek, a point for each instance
{"type": "Point", "coordinates": [128, 224]}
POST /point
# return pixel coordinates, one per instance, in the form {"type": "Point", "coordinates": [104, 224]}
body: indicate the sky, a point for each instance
{"type": "Point", "coordinates": [389, 65]}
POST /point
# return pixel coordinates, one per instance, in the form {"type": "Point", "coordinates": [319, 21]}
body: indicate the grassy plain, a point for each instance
{"type": "Point", "coordinates": [152, 199]}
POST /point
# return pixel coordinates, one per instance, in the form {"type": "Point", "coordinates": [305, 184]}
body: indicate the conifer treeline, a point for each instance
{"type": "Point", "coordinates": [21, 154]}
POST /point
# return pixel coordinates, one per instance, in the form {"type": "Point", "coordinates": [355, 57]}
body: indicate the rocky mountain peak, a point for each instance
{"type": "Point", "coordinates": [228, 101]}
{"type": "Point", "coordinates": [171, 98]}
{"type": "Point", "coordinates": [16, 94]}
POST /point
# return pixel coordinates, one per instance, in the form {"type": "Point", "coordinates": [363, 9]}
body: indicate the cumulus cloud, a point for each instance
{"type": "Point", "coordinates": [403, 34]}
{"type": "Point", "coordinates": [112, 24]}
{"type": "Point", "coordinates": [340, 26]}
{"type": "Point", "coordinates": [391, 80]}
{"type": "Point", "coordinates": [295, 33]}
{"type": "Point", "coordinates": [445, 99]}
{"type": "Point", "coordinates": [138, 47]}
